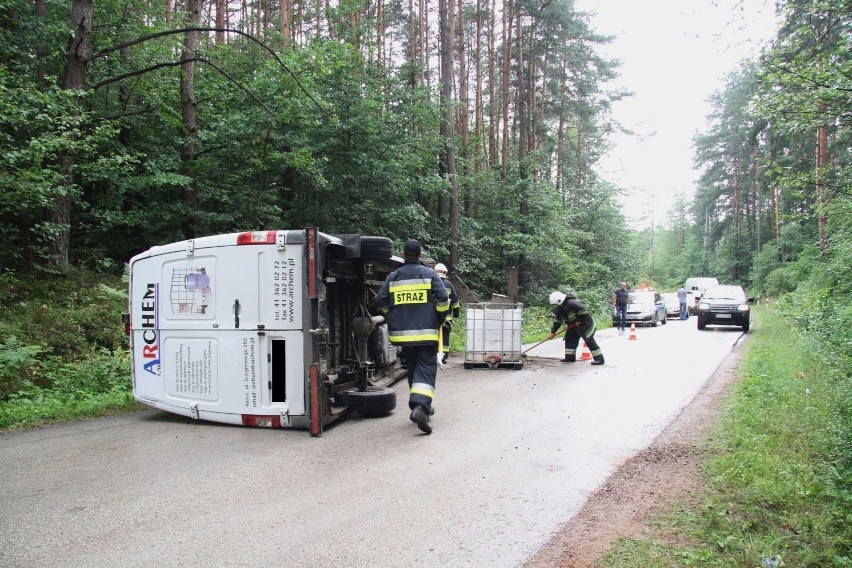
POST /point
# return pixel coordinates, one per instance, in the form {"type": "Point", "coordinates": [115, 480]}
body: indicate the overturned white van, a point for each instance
{"type": "Point", "coordinates": [266, 328]}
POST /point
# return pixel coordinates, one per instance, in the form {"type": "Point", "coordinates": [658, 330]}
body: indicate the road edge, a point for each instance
{"type": "Point", "coordinates": [669, 469]}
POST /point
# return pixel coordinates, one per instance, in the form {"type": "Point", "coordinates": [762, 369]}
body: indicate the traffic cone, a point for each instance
{"type": "Point", "coordinates": [586, 353]}
{"type": "Point", "coordinates": [632, 332]}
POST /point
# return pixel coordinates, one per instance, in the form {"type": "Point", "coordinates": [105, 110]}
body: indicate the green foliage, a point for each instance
{"type": "Point", "coordinates": [779, 467]}
{"type": "Point", "coordinates": [63, 353]}
{"type": "Point", "coordinates": [19, 365]}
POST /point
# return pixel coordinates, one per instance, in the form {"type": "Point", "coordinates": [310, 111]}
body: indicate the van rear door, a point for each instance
{"type": "Point", "coordinates": [217, 326]}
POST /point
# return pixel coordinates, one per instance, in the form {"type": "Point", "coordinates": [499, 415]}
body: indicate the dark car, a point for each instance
{"type": "Point", "coordinates": [644, 307]}
{"type": "Point", "coordinates": [724, 304]}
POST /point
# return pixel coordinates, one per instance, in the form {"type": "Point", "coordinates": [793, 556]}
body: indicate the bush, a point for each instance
{"type": "Point", "coordinates": [63, 352]}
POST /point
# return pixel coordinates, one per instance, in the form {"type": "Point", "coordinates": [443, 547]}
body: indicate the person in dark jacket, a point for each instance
{"type": "Point", "coordinates": [620, 301]}
{"type": "Point", "coordinates": [441, 269]}
{"type": "Point", "coordinates": [415, 301]}
{"type": "Point", "coordinates": [575, 315]}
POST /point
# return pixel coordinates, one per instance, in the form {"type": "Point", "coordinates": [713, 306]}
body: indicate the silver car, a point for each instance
{"type": "Point", "coordinates": [644, 307]}
{"type": "Point", "coordinates": [672, 304]}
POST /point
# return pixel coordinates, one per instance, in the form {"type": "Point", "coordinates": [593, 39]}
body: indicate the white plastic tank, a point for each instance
{"type": "Point", "coordinates": [494, 329]}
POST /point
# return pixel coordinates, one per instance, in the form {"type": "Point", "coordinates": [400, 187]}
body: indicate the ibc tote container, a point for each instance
{"type": "Point", "coordinates": [493, 335]}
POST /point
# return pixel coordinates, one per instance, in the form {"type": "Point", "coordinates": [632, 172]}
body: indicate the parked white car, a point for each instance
{"type": "Point", "coordinates": [644, 307]}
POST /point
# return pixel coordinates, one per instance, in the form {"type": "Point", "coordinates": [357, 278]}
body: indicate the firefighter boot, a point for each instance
{"type": "Point", "coordinates": [568, 359]}
{"type": "Point", "coordinates": [421, 418]}
{"type": "Point", "coordinates": [598, 360]}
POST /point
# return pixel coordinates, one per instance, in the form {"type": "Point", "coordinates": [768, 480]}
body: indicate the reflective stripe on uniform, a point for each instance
{"type": "Point", "coordinates": [411, 284]}
{"type": "Point", "coordinates": [411, 335]}
{"type": "Point", "coordinates": [423, 388]}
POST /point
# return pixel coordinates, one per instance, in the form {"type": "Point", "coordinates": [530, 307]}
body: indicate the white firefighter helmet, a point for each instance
{"type": "Point", "coordinates": [556, 298]}
{"type": "Point", "coordinates": [441, 269]}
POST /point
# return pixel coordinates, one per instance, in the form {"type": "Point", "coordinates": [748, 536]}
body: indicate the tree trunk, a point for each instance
{"type": "Point", "coordinates": [492, 86]}
{"type": "Point", "coordinates": [380, 32]}
{"type": "Point", "coordinates": [285, 14]}
{"type": "Point", "coordinates": [75, 75]}
{"type": "Point", "coordinates": [737, 205]}
{"type": "Point", "coordinates": [463, 107]}
{"type": "Point", "coordinates": [477, 129]}
{"type": "Point", "coordinates": [821, 168]}
{"type": "Point", "coordinates": [424, 46]}
{"type": "Point", "coordinates": [522, 117]}
{"type": "Point", "coordinates": [222, 20]}
{"type": "Point", "coordinates": [560, 145]}
{"type": "Point", "coordinates": [413, 42]}
{"type": "Point", "coordinates": [190, 120]}
{"type": "Point", "coordinates": [758, 206]}
{"type": "Point", "coordinates": [447, 21]}
{"type": "Point", "coordinates": [507, 57]}
{"type": "Point", "coordinates": [41, 52]}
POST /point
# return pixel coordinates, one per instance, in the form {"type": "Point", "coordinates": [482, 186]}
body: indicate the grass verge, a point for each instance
{"type": "Point", "coordinates": [778, 473]}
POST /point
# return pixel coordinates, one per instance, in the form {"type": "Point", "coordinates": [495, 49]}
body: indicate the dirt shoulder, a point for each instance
{"type": "Point", "coordinates": [668, 470]}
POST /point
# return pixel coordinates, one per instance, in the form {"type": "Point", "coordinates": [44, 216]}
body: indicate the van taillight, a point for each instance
{"type": "Point", "coordinates": [256, 238]}
{"type": "Point", "coordinates": [261, 421]}
{"type": "Point", "coordinates": [126, 319]}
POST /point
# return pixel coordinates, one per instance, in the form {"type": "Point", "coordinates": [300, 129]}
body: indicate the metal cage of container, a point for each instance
{"type": "Point", "coordinates": [493, 337]}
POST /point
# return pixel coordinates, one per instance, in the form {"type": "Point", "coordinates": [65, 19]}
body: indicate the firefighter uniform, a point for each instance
{"type": "Point", "coordinates": [452, 313]}
{"type": "Point", "coordinates": [415, 301]}
{"type": "Point", "coordinates": [573, 311]}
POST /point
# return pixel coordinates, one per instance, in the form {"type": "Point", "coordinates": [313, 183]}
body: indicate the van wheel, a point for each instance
{"type": "Point", "coordinates": [373, 401]}
{"type": "Point", "coordinates": [376, 247]}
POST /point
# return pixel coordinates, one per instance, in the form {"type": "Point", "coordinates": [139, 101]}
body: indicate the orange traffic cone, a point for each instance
{"type": "Point", "coordinates": [632, 332]}
{"type": "Point", "coordinates": [586, 353]}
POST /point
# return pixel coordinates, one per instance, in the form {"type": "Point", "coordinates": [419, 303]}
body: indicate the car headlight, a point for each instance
{"type": "Point", "coordinates": [703, 307]}
{"type": "Point", "coordinates": [743, 307]}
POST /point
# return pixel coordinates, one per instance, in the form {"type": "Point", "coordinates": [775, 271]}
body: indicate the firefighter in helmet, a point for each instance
{"type": "Point", "coordinates": [441, 269]}
{"type": "Point", "coordinates": [569, 310]}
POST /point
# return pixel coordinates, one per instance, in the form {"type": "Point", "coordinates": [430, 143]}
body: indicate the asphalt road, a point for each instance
{"type": "Point", "coordinates": [514, 454]}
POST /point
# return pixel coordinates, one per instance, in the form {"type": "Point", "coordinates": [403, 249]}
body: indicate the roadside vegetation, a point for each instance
{"type": "Point", "coordinates": [63, 352]}
{"type": "Point", "coordinates": [778, 466]}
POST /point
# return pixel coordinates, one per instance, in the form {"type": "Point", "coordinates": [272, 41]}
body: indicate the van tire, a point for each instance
{"type": "Point", "coordinates": [380, 248]}
{"type": "Point", "coordinates": [373, 401]}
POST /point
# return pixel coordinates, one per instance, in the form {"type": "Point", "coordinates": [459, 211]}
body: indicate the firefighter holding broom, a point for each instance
{"type": "Point", "coordinates": [578, 322]}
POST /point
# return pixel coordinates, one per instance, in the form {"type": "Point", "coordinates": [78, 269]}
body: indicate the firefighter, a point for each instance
{"type": "Point", "coordinates": [579, 323]}
{"type": "Point", "coordinates": [415, 302]}
{"type": "Point", "coordinates": [453, 311]}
